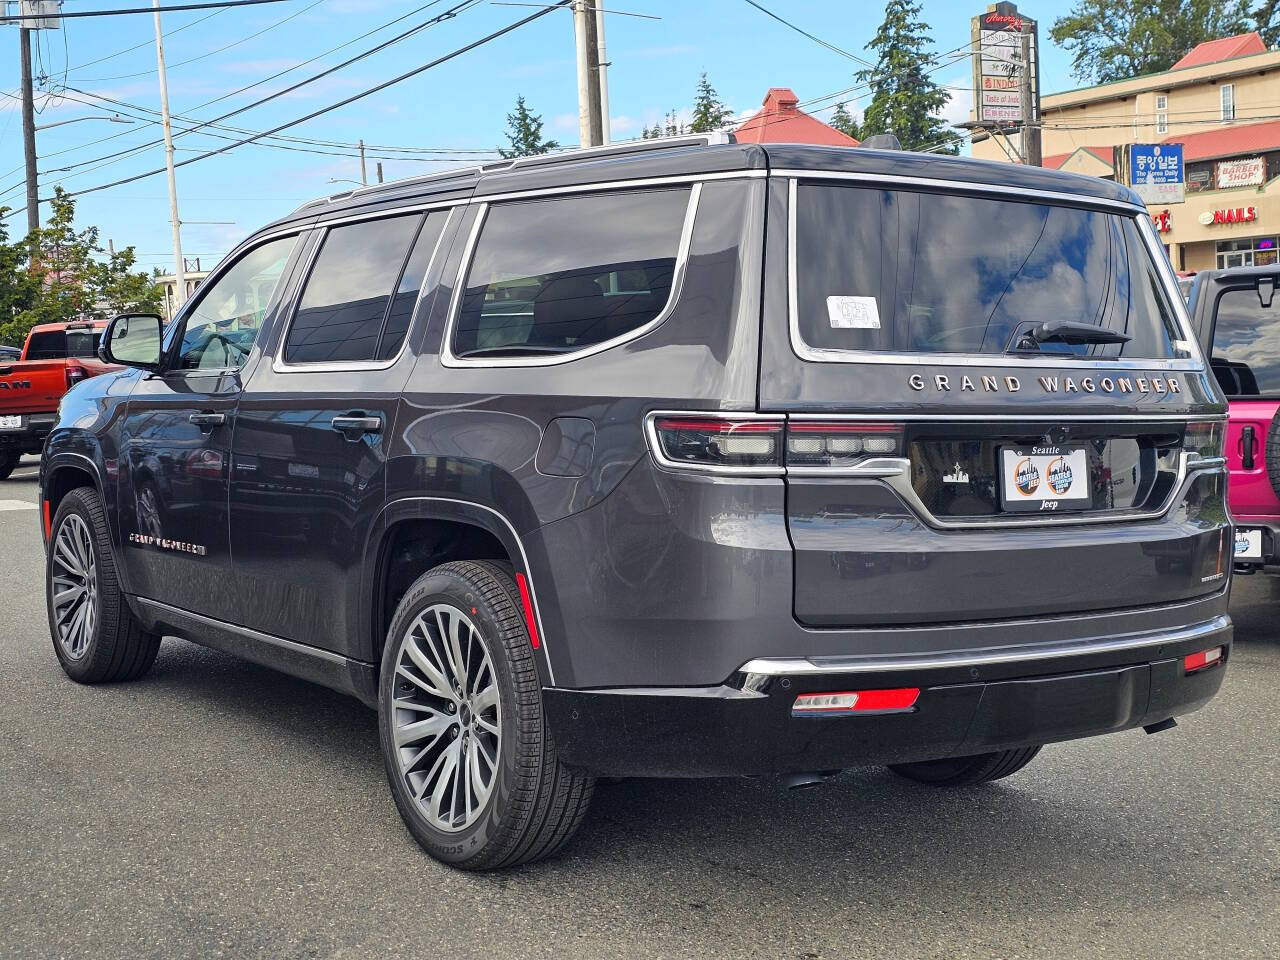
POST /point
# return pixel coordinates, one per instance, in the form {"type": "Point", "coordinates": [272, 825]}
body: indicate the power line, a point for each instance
{"type": "Point", "coordinates": [454, 54]}
{"type": "Point", "coordinates": [147, 43]}
{"type": "Point", "coordinates": [18, 18]}
{"type": "Point", "coordinates": [806, 33]}
{"type": "Point", "coordinates": [183, 63]}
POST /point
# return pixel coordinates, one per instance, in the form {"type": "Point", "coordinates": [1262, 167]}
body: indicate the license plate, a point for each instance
{"type": "Point", "coordinates": [1248, 544]}
{"type": "Point", "coordinates": [10, 423]}
{"type": "Point", "coordinates": [1045, 479]}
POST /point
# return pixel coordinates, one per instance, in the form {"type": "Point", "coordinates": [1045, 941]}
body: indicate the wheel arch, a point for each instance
{"type": "Point", "coordinates": [415, 534]}
{"type": "Point", "coordinates": [62, 473]}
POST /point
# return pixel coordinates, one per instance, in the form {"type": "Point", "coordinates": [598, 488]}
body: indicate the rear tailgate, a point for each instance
{"type": "Point", "coordinates": [31, 386]}
{"type": "Point", "coordinates": [979, 479]}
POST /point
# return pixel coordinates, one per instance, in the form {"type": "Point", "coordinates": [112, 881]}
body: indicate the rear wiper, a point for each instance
{"type": "Point", "coordinates": [1064, 331]}
{"type": "Point", "coordinates": [513, 350]}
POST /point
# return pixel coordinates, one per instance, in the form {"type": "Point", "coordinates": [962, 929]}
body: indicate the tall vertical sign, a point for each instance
{"type": "Point", "coordinates": [998, 70]}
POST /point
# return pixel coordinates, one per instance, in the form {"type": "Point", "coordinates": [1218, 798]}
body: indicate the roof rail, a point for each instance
{"type": "Point", "coordinates": [610, 150]}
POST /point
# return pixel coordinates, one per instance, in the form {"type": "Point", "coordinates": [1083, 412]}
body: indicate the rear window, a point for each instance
{"type": "Point", "coordinates": [49, 345]}
{"type": "Point", "coordinates": [907, 272]}
{"type": "Point", "coordinates": [556, 276]}
{"type": "Point", "coordinates": [1246, 345]}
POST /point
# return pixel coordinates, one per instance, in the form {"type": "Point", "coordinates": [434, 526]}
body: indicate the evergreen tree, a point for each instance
{"type": "Point", "coordinates": [1266, 20]}
{"type": "Point", "coordinates": [524, 133]}
{"type": "Point", "coordinates": [843, 121]}
{"type": "Point", "coordinates": [904, 101]}
{"type": "Point", "coordinates": [1118, 39]}
{"type": "Point", "coordinates": [672, 127]}
{"type": "Point", "coordinates": [709, 112]}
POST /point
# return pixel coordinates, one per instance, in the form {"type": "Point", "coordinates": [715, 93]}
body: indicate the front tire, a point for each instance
{"type": "Point", "coordinates": [95, 634]}
{"type": "Point", "coordinates": [465, 743]}
{"type": "Point", "coordinates": [8, 462]}
{"type": "Point", "coordinates": [966, 771]}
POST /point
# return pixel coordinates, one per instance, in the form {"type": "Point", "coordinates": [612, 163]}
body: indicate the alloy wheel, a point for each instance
{"type": "Point", "coordinates": [446, 717]}
{"type": "Point", "coordinates": [74, 586]}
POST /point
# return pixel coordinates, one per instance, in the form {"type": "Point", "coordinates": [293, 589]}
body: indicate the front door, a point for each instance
{"type": "Point", "coordinates": [176, 449]}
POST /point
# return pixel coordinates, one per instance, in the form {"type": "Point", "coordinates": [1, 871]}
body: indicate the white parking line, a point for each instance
{"type": "Point", "coordinates": [16, 505]}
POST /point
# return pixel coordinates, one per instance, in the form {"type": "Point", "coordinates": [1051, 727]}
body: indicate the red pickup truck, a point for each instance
{"type": "Point", "coordinates": [54, 359]}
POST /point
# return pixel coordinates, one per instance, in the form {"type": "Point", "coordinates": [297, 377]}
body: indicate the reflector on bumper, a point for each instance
{"type": "Point", "coordinates": [899, 700]}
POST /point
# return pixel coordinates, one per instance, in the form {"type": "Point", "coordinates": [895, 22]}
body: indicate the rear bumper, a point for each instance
{"type": "Point", "coordinates": [1269, 528]}
{"type": "Point", "coordinates": [30, 437]}
{"type": "Point", "coordinates": [966, 706]}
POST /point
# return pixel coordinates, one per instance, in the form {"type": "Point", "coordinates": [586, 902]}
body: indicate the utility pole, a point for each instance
{"type": "Point", "coordinates": [586, 39]}
{"type": "Point", "coordinates": [602, 71]}
{"type": "Point", "coordinates": [180, 279]}
{"type": "Point", "coordinates": [1030, 104]}
{"type": "Point", "coordinates": [29, 134]}
{"type": "Point", "coordinates": [364, 176]}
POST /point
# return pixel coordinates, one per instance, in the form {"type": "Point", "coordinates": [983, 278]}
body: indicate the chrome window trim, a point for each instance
{"type": "Point", "coordinates": [279, 364]}
{"type": "Point", "coordinates": [607, 186]}
{"type": "Point", "coordinates": [449, 359]}
{"type": "Point", "coordinates": [809, 666]}
{"type": "Point", "coordinates": [381, 212]}
{"type": "Point", "coordinates": [665, 462]}
{"type": "Point", "coordinates": [524, 559]}
{"type": "Point", "coordinates": [826, 355]}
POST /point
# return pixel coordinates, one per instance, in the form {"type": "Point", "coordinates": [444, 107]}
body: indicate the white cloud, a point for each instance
{"type": "Point", "coordinates": [961, 91]}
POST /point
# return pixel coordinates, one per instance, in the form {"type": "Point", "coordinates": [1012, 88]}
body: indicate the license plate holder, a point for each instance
{"type": "Point", "coordinates": [1248, 543]}
{"type": "Point", "coordinates": [1044, 479]}
{"type": "Point", "coordinates": [10, 422]}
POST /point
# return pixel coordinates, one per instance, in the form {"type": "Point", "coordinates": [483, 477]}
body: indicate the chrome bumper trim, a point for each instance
{"type": "Point", "coordinates": [801, 666]}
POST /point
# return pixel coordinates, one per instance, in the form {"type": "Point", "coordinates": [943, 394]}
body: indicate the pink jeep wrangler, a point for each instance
{"type": "Point", "coordinates": [1237, 314]}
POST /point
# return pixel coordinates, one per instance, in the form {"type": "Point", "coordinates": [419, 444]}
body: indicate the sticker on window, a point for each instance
{"type": "Point", "coordinates": [853, 313]}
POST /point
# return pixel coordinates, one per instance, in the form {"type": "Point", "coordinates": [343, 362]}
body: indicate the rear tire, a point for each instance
{"type": "Point", "coordinates": [1273, 453]}
{"type": "Point", "coordinates": [966, 771]}
{"type": "Point", "coordinates": [95, 634]}
{"type": "Point", "coordinates": [8, 462]}
{"type": "Point", "coordinates": [517, 802]}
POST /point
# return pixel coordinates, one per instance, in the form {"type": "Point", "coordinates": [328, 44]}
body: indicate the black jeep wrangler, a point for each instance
{"type": "Point", "coordinates": [683, 458]}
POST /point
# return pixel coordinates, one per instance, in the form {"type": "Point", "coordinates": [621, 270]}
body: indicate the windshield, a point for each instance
{"type": "Point", "coordinates": [907, 272]}
{"type": "Point", "coordinates": [1246, 344]}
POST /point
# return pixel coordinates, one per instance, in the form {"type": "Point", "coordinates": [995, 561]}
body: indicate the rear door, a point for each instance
{"type": "Point", "coordinates": [308, 475]}
{"type": "Point", "coordinates": [944, 463]}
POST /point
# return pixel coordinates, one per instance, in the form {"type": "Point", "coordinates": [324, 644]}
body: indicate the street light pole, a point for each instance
{"type": "Point", "coordinates": [180, 280]}
{"type": "Point", "coordinates": [29, 134]}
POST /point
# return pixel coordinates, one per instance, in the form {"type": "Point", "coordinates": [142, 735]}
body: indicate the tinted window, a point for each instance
{"type": "Point", "coordinates": [553, 276]}
{"type": "Point", "coordinates": [349, 290]}
{"type": "Point", "coordinates": [83, 343]}
{"type": "Point", "coordinates": [1246, 345]}
{"type": "Point", "coordinates": [219, 330]}
{"type": "Point", "coordinates": [939, 273]}
{"type": "Point", "coordinates": [50, 345]}
{"type": "Point", "coordinates": [406, 298]}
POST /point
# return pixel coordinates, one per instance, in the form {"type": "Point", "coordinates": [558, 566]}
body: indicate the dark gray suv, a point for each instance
{"type": "Point", "coordinates": [671, 459]}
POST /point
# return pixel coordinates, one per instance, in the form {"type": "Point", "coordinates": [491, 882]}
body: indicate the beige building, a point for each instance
{"type": "Point", "coordinates": [169, 282]}
{"type": "Point", "coordinates": [1217, 102]}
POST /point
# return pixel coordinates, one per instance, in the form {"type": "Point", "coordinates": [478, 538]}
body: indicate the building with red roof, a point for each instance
{"type": "Point", "coordinates": [1219, 102]}
{"type": "Point", "coordinates": [780, 120]}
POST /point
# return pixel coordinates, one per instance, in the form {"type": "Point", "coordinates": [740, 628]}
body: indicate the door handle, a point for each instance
{"type": "Point", "coordinates": [208, 420]}
{"type": "Point", "coordinates": [1246, 455]}
{"type": "Point", "coordinates": [355, 426]}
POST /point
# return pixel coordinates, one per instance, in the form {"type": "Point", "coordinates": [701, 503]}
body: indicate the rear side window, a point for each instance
{"type": "Point", "coordinates": [889, 270]}
{"type": "Point", "coordinates": [400, 312]}
{"type": "Point", "coordinates": [557, 276]}
{"type": "Point", "coordinates": [350, 290]}
{"type": "Point", "coordinates": [50, 345]}
{"type": "Point", "coordinates": [1246, 345]}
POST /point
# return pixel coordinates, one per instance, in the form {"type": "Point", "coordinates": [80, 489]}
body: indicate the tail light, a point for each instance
{"type": "Point", "coordinates": [734, 444]}
{"type": "Point", "coordinates": [1206, 439]}
{"type": "Point", "coordinates": [767, 445]}
{"type": "Point", "coordinates": [840, 443]}
{"type": "Point", "coordinates": [75, 373]}
{"type": "Point", "coordinates": [896, 700]}
{"type": "Point", "coordinates": [1195, 662]}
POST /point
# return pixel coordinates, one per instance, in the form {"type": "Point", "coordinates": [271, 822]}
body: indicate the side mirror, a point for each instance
{"type": "Point", "coordinates": [132, 339]}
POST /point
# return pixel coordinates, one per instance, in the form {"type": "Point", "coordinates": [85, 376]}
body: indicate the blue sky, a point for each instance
{"type": "Point", "coordinates": [462, 104]}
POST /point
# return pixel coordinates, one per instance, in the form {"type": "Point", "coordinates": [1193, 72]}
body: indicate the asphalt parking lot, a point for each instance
{"type": "Point", "coordinates": [216, 808]}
